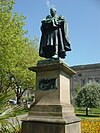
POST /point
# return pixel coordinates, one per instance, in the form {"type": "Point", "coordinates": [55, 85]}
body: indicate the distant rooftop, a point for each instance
{"type": "Point", "coordinates": [87, 66]}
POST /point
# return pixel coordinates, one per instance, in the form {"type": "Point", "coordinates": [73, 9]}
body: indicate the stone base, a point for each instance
{"type": "Point", "coordinates": [52, 111]}
{"type": "Point", "coordinates": [51, 125]}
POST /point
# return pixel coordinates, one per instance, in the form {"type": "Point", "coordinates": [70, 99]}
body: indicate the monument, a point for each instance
{"type": "Point", "coordinates": [54, 39]}
{"type": "Point", "coordinates": [52, 111]}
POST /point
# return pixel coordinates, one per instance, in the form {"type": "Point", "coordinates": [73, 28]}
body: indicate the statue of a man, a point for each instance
{"type": "Point", "coordinates": [54, 39]}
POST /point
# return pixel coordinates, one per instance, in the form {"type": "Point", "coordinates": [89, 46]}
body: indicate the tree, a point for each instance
{"type": "Point", "coordinates": [17, 51]}
{"type": "Point", "coordinates": [88, 96]}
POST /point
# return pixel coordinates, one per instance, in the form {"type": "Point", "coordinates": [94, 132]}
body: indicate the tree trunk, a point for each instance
{"type": "Point", "coordinates": [87, 109]}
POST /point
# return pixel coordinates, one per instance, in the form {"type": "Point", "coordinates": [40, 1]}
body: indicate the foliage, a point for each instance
{"type": "Point", "coordinates": [88, 95]}
{"type": "Point", "coordinates": [8, 127]}
{"type": "Point", "coordinates": [6, 111]}
{"type": "Point", "coordinates": [90, 126]}
{"type": "Point", "coordinates": [17, 51]}
{"type": "Point", "coordinates": [4, 98]}
{"type": "Point", "coordinates": [9, 122]}
{"type": "Point", "coordinates": [77, 88]}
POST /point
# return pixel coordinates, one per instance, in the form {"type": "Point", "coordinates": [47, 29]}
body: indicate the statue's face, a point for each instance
{"type": "Point", "coordinates": [53, 12]}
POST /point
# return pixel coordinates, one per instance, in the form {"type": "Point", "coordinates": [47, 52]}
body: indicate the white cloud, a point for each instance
{"type": "Point", "coordinates": [49, 4]}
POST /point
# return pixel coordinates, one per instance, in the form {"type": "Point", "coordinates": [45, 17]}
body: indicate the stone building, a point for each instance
{"type": "Point", "coordinates": [85, 74]}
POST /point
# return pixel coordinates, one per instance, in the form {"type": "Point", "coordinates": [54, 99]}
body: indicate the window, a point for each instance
{"type": "Point", "coordinates": [97, 80]}
{"type": "Point", "coordinates": [90, 80]}
{"type": "Point", "coordinates": [83, 82]}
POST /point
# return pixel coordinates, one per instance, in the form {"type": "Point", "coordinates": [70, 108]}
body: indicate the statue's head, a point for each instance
{"type": "Point", "coordinates": [53, 12]}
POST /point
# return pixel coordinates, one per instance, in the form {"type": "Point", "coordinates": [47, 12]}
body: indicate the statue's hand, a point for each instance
{"type": "Point", "coordinates": [61, 18]}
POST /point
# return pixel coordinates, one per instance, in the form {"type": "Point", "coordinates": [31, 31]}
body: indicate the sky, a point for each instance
{"type": "Point", "coordinates": [83, 18]}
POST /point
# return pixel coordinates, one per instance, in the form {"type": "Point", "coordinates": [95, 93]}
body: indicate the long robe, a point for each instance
{"type": "Point", "coordinates": [54, 39]}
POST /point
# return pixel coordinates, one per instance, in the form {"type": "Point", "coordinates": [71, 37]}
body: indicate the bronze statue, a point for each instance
{"type": "Point", "coordinates": [54, 39]}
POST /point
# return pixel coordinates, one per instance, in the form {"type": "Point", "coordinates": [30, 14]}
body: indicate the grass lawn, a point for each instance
{"type": "Point", "coordinates": [92, 113]}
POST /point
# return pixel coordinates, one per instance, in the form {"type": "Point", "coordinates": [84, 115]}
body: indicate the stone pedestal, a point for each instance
{"type": "Point", "coordinates": [52, 111]}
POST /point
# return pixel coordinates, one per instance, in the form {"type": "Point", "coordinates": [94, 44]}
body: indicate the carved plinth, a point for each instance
{"type": "Point", "coordinates": [52, 111]}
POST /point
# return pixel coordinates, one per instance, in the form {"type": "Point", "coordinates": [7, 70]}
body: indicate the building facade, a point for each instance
{"type": "Point", "coordinates": [85, 74]}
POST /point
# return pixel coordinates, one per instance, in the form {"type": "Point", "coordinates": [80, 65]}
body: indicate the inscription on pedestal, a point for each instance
{"type": "Point", "coordinates": [47, 84]}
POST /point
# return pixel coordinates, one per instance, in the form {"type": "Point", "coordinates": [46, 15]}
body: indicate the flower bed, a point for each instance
{"type": "Point", "coordinates": [90, 126]}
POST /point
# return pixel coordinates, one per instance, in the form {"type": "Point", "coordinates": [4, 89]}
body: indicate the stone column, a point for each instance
{"type": "Point", "coordinates": [52, 111]}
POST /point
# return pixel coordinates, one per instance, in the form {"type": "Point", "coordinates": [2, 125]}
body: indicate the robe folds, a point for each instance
{"type": "Point", "coordinates": [54, 38]}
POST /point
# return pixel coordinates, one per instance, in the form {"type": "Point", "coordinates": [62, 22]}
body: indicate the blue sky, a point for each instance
{"type": "Point", "coordinates": [83, 17]}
